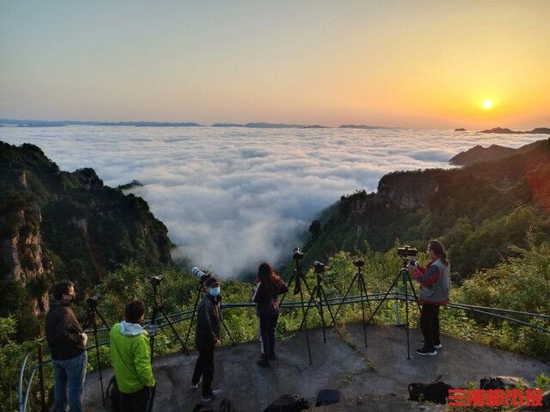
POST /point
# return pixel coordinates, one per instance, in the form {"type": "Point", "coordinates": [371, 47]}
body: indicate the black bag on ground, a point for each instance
{"type": "Point", "coordinates": [328, 397]}
{"type": "Point", "coordinates": [288, 403]}
{"type": "Point", "coordinates": [112, 395]}
{"type": "Point", "coordinates": [502, 382]}
{"type": "Point", "coordinates": [437, 391]}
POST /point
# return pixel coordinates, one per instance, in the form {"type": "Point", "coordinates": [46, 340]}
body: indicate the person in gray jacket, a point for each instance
{"type": "Point", "coordinates": [435, 284]}
{"type": "Point", "coordinates": [207, 338]}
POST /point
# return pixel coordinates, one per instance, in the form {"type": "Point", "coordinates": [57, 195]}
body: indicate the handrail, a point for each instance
{"type": "Point", "coordinates": [187, 314]}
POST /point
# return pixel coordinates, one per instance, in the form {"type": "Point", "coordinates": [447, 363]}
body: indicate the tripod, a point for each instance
{"type": "Point", "coordinates": [362, 291]}
{"type": "Point", "coordinates": [403, 274]}
{"type": "Point", "coordinates": [91, 321]}
{"type": "Point", "coordinates": [200, 292]}
{"type": "Point", "coordinates": [317, 296]}
{"type": "Point", "coordinates": [159, 307]}
{"type": "Point", "coordinates": [298, 280]}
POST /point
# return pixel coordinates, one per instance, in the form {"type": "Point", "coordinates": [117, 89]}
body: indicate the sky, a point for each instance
{"type": "Point", "coordinates": [408, 63]}
{"type": "Point", "coordinates": [232, 198]}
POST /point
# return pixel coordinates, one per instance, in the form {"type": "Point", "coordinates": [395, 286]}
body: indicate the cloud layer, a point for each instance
{"type": "Point", "coordinates": [232, 198]}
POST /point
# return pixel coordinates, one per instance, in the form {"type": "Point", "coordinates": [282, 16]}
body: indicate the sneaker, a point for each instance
{"type": "Point", "coordinates": [216, 393]}
{"type": "Point", "coordinates": [426, 352]}
{"type": "Point", "coordinates": [195, 385]}
{"type": "Point", "coordinates": [438, 346]}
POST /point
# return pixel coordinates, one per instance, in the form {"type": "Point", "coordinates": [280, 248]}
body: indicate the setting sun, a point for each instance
{"type": "Point", "coordinates": [487, 104]}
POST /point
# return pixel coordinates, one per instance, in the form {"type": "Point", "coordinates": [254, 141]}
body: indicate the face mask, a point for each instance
{"type": "Point", "coordinates": [214, 291]}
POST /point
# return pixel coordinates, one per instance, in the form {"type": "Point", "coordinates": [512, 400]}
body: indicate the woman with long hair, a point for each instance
{"type": "Point", "coordinates": [268, 287]}
{"type": "Point", "coordinates": [435, 284]}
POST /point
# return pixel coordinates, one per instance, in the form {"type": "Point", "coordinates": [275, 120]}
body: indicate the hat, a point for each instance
{"type": "Point", "coordinates": [212, 281]}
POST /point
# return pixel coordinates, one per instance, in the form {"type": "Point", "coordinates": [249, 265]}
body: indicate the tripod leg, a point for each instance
{"type": "Point", "coordinates": [311, 300]}
{"type": "Point", "coordinates": [384, 298]}
{"type": "Point", "coordinates": [305, 323]}
{"type": "Point", "coordinates": [405, 274]}
{"type": "Point", "coordinates": [361, 290]}
{"type": "Point", "coordinates": [343, 300]}
{"type": "Point", "coordinates": [289, 288]}
{"type": "Point", "coordinates": [320, 310]}
{"type": "Point", "coordinates": [193, 316]}
{"type": "Point", "coordinates": [174, 330]}
{"type": "Point", "coordinates": [94, 323]}
{"type": "Point", "coordinates": [153, 323]}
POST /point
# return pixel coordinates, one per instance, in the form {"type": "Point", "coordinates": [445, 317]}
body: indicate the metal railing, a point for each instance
{"type": "Point", "coordinates": [25, 387]}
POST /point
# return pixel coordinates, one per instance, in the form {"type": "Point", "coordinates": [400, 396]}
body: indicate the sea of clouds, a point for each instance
{"type": "Point", "coordinates": [234, 197]}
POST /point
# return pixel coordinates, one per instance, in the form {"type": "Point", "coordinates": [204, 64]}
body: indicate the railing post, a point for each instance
{"type": "Point", "coordinates": [41, 378]}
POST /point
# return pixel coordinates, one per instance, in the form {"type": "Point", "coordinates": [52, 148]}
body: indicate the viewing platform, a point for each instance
{"type": "Point", "coordinates": [372, 378]}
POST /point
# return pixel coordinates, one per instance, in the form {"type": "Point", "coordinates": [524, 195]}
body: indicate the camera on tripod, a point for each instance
{"type": "Point", "coordinates": [407, 251]}
{"type": "Point", "coordinates": [197, 272]}
{"type": "Point", "coordinates": [93, 301]}
{"type": "Point", "coordinates": [358, 263]}
{"type": "Point", "coordinates": [319, 267]}
{"type": "Point", "coordinates": [155, 280]}
{"type": "Point", "coordinates": [297, 254]}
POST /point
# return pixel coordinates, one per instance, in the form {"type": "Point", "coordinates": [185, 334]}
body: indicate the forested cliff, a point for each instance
{"type": "Point", "coordinates": [478, 211]}
{"type": "Point", "coordinates": [56, 225]}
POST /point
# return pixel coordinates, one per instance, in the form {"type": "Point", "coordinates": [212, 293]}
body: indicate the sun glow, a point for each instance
{"type": "Point", "coordinates": [487, 104]}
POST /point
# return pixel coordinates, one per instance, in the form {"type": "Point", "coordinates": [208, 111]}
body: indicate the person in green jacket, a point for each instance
{"type": "Point", "coordinates": [131, 356]}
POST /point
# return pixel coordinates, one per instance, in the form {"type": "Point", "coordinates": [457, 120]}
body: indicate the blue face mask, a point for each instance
{"type": "Point", "coordinates": [214, 291]}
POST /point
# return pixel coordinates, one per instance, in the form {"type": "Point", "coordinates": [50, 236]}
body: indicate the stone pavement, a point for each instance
{"type": "Point", "coordinates": [372, 378]}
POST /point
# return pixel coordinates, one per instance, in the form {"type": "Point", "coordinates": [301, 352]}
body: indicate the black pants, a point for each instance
{"type": "Point", "coordinates": [140, 401]}
{"type": "Point", "coordinates": [267, 333]}
{"type": "Point", "coordinates": [429, 323]}
{"type": "Point", "coordinates": [204, 367]}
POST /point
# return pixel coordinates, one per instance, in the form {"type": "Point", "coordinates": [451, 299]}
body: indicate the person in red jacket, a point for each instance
{"type": "Point", "coordinates": [435, 284]}
{"type": "Point", "coordinates": [269, 286]}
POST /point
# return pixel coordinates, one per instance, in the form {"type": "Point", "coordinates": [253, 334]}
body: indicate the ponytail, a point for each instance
{"type": "Point", "coordinates": [436, 247]}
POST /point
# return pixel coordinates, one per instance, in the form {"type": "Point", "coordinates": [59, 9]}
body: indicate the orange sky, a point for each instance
{"type": "Point", "coordinates": [428, 64]}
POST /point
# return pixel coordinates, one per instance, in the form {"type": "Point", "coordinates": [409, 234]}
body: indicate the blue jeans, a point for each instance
{"type": "Point", "coordinates": [69, 382]}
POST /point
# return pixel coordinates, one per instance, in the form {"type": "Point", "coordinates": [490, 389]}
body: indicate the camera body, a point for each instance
{"type": "Point", "coordinates": [319, 267]}
{"type": "Point", "coordinates": [407, 251]}
{"type": "Point", "coordinates": [155, 280]}
{"type": "Point", "coordinates": [297, 254]}
{"type": "Point", "coordinates": [358, 263]}
{"type": "Point", "coordinates": [93, 301]}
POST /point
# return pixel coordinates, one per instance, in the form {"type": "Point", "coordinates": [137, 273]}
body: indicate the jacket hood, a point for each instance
{"type": "Point", "coordinates": [130, 329]}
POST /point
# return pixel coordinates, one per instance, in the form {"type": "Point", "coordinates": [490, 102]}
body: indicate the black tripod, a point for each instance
{"type": "Point", "coordinates": [299, 278]}
{"type": "Point", "coordinates": [200, 292]}
{"type": "Point", "coordinates": [317, 296]}
{"type": "Point", "coordinates": [362, 291]}
{"type": "Point", "coordinates": [91, 321]}
{"type": "Point", "coordinates": [403, 274]}
{"type": "Point", "coordinates": [159, 307]}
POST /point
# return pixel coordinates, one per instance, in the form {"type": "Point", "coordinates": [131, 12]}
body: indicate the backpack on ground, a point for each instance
{"type": "Point", "coordinates": [112, 395]}
{"type": "Point", "coordinates": [288, 403]}
{"type": "Point", "coordinates": [436, 391]}
{"type": "Point", "coordinates": [502, 382]}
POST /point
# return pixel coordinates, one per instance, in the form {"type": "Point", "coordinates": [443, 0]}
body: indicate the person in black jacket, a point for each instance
{"type": "Point", "coordinates": [67, 343]}
{"type": "Point", "coordinates": [207, 338]}
{"type": "Point", "coordinates": [269, 286]}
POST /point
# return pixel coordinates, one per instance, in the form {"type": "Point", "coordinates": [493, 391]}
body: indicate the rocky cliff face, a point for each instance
{"type": "Point", "coordinates": [57, 225]}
